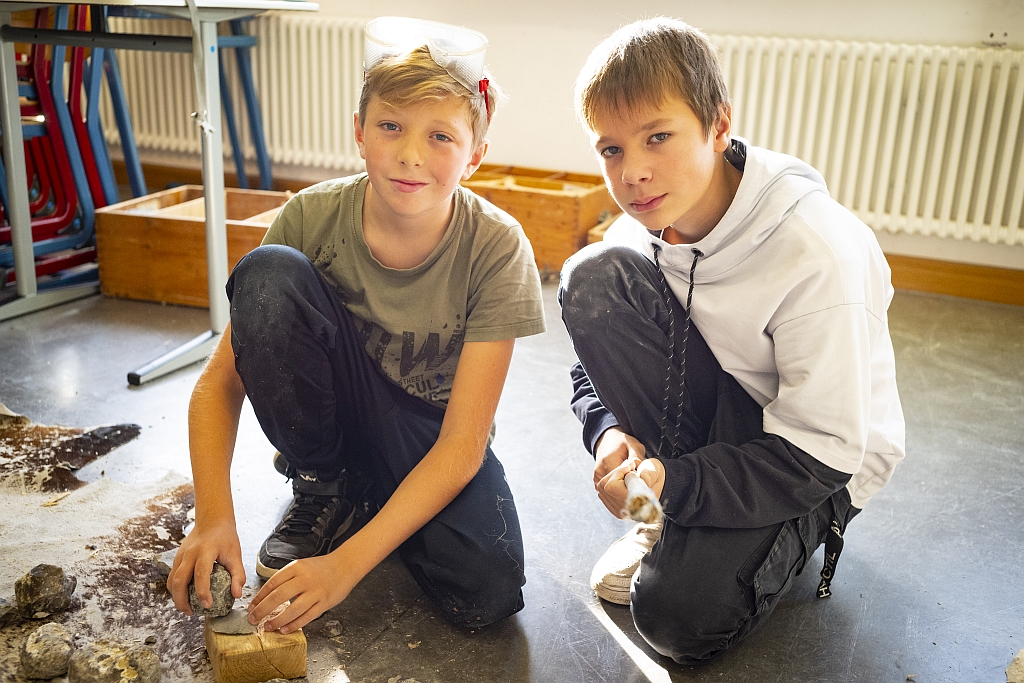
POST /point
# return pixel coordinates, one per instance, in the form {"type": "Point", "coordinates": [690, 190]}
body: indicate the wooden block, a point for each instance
{"type": "Point", "coordinates": [154, 248]}
{"type": "Point", "coordinates": [596, 233]}
{"type": "Point", "coordinates": [247, 659]}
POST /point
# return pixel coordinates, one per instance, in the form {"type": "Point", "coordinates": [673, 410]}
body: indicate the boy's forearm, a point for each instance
{"type": "Point", "coordinates": [213, 426]}
{"type": "Point", "coordinates": [589, 410]}
{"type": "Point", "coordinates": [752, 485]}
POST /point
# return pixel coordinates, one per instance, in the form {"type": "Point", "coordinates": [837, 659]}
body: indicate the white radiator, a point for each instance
{"type": "Point", "coordinates": [913, 139]}
{"type": "Point", "coordinates": [307, 72]}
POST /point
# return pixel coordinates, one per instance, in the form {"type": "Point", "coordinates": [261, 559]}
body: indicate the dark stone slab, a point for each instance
{"type": "Point", "coordinates": [45, 590]}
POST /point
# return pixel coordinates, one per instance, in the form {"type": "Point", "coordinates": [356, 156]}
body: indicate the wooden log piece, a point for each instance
{"type": "Point", "coordinates": [248, 659]}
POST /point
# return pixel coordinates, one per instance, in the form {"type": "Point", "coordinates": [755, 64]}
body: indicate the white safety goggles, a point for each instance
{"type": "Point", "coordinates": [459, 51]}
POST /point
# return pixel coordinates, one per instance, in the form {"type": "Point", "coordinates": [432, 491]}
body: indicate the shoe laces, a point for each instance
{"type": "Point", "coordinates": [308, 514]}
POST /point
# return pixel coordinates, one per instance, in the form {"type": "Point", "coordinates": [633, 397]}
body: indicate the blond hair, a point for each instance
{"type": "Point", "coordinates": [406, 79]}
{"type": "Point", "coordinates": [645, 62]}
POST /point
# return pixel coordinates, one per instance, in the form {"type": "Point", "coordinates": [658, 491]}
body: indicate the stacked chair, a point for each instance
{"type": "Point", "coordinates": [67, 163]}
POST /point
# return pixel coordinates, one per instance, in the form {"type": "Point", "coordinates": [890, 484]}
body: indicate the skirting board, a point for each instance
{"type": "Point", "coordinates": [985, 283]}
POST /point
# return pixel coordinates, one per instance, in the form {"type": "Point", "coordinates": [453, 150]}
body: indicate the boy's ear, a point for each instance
{"type": "Point", "coordinates": [722, 128]}
{"type": "Point", "coordinates": [360, 136]}
{"type": "Point", "coordinates": [478, 158]}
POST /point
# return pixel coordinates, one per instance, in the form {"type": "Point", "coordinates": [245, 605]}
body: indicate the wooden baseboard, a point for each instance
{"type": "Point", "coordinates": [985, 283]}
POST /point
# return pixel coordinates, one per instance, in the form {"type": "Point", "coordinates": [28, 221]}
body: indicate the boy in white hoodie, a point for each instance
{"type": "Point", "coordinates": [734, 349]}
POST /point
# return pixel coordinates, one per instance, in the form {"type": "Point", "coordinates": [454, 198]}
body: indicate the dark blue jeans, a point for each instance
{"type": "Point", "coordinates": [701, 589]}
{"type": "Point", "coordinates": [324, 404]}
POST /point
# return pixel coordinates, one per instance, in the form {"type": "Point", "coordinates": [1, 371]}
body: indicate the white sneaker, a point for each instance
{"type": "Point", "coordinates": [613, 573]}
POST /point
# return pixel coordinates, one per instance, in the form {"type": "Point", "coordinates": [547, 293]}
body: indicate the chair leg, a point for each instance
{"type": "Point", "coordinates": [229, 117]}
{"type": "Point", "coordinates": [252, 103]}
{"type": "Point", "coordinates": [124, 122]}
{"type": "Point", "coordinates": [94, 125]}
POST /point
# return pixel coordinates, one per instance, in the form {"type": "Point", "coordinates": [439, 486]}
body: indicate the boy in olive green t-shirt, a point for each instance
{"type": "Point", "coordinates": [372, 333]}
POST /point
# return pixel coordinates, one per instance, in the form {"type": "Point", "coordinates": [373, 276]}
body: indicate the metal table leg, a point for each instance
{"type": "Point", "coordinates": [207, 75]}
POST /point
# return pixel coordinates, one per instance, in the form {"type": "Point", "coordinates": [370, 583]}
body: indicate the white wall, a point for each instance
{"type": "Point", "coordinates": [537, 47]}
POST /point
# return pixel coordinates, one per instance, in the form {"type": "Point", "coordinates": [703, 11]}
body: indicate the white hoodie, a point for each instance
{"type": "Point", "coordinates": [791, 296]}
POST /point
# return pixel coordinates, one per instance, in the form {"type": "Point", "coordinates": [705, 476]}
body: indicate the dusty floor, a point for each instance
{"type": "Point", "coordinates": [930, 582]}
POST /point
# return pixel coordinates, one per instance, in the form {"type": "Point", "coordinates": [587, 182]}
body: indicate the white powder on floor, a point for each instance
{"type": "Point", "coordinates": [62, 534]}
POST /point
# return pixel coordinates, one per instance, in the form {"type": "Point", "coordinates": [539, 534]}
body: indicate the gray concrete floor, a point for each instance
{"type": "Point", "coordinates": [930, 582]}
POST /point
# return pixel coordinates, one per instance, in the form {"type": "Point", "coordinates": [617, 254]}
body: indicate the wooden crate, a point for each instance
{"type": "Point", "coordinates": [154, 248]}
{"type": "Point", "coordinates": [596, 233]}
{"type": "Point", "coordinates": [555, 209]}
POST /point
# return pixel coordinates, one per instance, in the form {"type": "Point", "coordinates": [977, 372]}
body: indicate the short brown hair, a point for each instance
{"type": "Point", "coordinates": [644, 62]}
{"type": "Point", "coordinates": [408, 78]}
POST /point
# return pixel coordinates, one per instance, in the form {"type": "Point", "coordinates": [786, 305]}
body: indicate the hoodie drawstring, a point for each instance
{"type": "Point", "coordinates": [669, 443]}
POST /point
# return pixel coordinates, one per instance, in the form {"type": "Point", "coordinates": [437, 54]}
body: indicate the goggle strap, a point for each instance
{"type": "Point", "coordinates": [484, 84]}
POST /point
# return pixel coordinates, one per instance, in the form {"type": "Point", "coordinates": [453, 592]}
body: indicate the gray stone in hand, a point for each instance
{"type": "Point", "coordinates": [108, 661]}
{"type": "Point", "coordinates": [45, 652]}
{"type": "Point", "coordinates": [45, 590]}
{"type": "Point", "coordinates": [220, 587]}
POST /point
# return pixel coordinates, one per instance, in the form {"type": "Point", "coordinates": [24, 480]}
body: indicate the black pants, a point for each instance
{"type": "Point", "coordinates": [701, 589]}
{"type": "Point", "coordinates": [324, 404]}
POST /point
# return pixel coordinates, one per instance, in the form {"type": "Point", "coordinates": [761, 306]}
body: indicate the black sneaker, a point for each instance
{"type": "Point", "coordinates": [320, 512]}
{"type": "Point", "coordinates": [308, 529]}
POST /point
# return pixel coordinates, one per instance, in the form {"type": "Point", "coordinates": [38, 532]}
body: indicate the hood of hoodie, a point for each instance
{"type": "Point", "coordinates": [752, 217]}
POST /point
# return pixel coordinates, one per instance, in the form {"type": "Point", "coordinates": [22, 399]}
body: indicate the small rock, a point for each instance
{"type": "Point", "coordinates": [8, 613]}
{"type": "Point", "coordinates": [332, 628]}
{"type": "Point", "coordinates": [220, 587]}
{"type": "Point", "coordinates": [1015, 672]}
{"type": "Point", "coordinates": [150, 640]}
{"type": "Point", "coordinates": [45, 590]}
{"type": "Point", "coordinates": [45, 652]}
{"type": "Point", "coordinates": [164, 561]}
{"type": "Point", "coordinates": [108, 661]}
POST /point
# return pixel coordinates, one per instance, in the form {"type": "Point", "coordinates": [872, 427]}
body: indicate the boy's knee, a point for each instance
{"type": "Point", "coordinates": [474, 584]}
{"type": "Point", "coordinates": [260, 284]}
{"type": "Point", "coordinates": [680, 624]}
{"type": "Point", "coordinates": [266, 264]}
{"type": "Point", "coordinates": [595, 275]}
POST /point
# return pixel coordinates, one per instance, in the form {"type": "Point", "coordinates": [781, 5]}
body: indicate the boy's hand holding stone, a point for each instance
{"type": "Point", "coordinates": [614, 448]}
{"type": "Point", "coordinates": [611, 489]}
{"type": "Point", "coordinates": [200, 549]}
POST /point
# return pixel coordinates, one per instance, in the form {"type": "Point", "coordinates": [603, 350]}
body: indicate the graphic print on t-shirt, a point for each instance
{"type": "Point", "coordinates": [424, 368]}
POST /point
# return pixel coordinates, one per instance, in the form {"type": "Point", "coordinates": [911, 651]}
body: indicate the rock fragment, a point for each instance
{"type": "Point", "coordinates": [332, 628]}
{"type": "Point", "coordinates": [164, 561]}
{"type": "Point", "coordinates": [1015, 672]}
{"type": "Point", "coordinates": [108, 661]}
{"type": "Point", "coordinates": [8, 612]}
{"type": "Point", "coordinates": [45, 590]}
{"type": "Point", "coordinates": [220, 588]}
{"type": "Point", "coordinates": [46, 651]}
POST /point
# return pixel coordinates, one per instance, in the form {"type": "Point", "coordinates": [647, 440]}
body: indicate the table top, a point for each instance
{"type": "Point", "coordinates": [256, 5]}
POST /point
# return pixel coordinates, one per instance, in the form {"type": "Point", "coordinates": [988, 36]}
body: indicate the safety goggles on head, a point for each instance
{"type": "Point", "coordinates": [459, 51]}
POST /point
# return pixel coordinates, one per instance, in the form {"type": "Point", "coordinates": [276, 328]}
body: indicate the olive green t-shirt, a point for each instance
{"type": "Point", "coordinates": [479, 284]}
